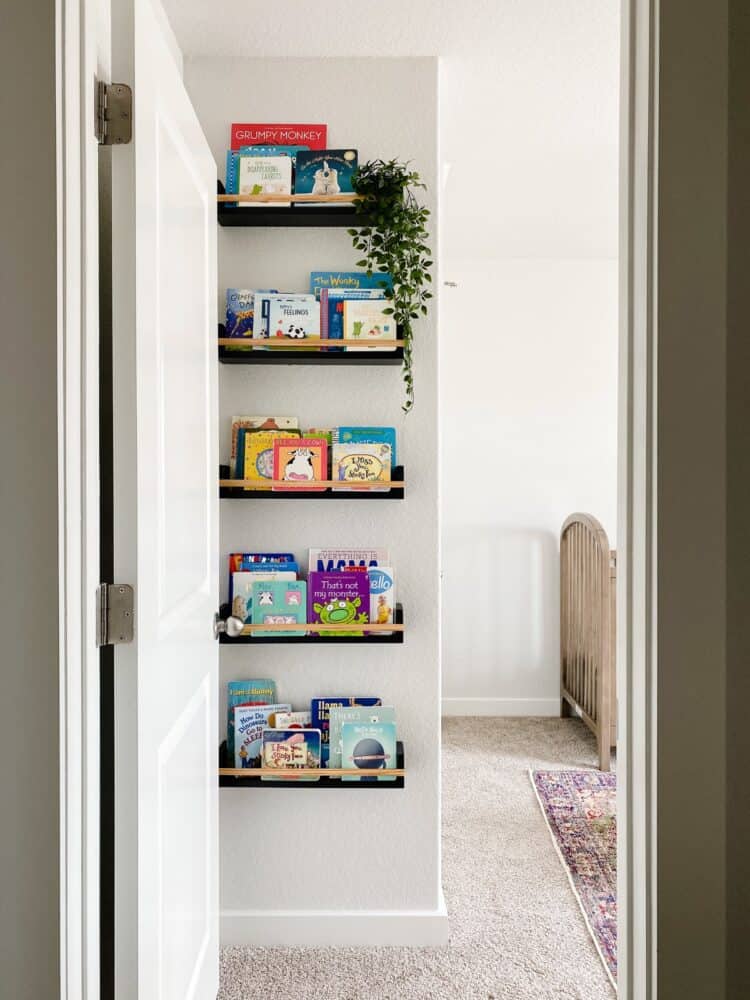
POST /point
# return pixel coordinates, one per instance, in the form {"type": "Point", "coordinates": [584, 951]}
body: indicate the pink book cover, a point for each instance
{"type": "Point", "coordinates": [279, 134]}
{"type": "Point", "coordinates": [298, 461]}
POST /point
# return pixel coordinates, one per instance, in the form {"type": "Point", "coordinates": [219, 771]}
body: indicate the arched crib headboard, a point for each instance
{"type": "Point", "coordinates": [588, 569]}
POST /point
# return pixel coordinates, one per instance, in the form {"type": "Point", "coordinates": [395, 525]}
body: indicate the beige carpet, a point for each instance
{"type": "Point", "coordinates": [516, 930]}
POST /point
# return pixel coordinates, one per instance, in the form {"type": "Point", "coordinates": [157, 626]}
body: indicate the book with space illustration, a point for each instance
{"type": "Point", "coordinates": [368, 745]}
{"type": "Point", "coordinates": [362, 714]}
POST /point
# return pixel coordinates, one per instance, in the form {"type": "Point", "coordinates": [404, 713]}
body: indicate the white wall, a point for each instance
{"type": "Point", "coordinates": [294, 853]}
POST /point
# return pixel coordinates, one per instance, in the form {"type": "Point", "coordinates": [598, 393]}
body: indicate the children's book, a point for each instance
{"type": "Point", "coordinates": [298, 460]}
{"type": "Point", "coordinates": [264, 175]}
{"type": "Point", "coordinates": [321, 432]}
{"type": "Point", "coordinates": [367, 435]}
{"type": "Point", "coordinates": [361, 463]}
{"type": "Point", "coordinates": [257, 450]}
{"type": "Point", "coordinates": [325, 172]}
{"type": "Point", "coordinates": [290, 720]}
{"type": "Point", "coordinates": [278, 602]}
{"type": "Point", "coordinates": [320, 712]}
{"type": "Point", "coordinates": [233, 160]}
{"type": "Point", "coordinates": [251, 692]}
{"type": "Point", "coordinates": [291, 748]}
{"type": "Point", "coordinates": [334, 560]}
{"type": "Point", "coordinates": [368, 320]}
{"type": "Point", "coordinates": [249, 723]}
{"type": "Point", "coordinates": [257, 423]}
{"type": "Point", "coordinates": [256, 134]}
{"type": "Point", "coordinates": [338, 599]}
{"type": "Point", "coordinates": [347, 281]}
{"type": "Point", "coordinates": [242, 589]}
{"type": "Point", "coordinates": [368, 745]}
{"type": "Point", "coordinates": [240, 307]}
{"type": "Point", "coordinates": [339, 714]}
{"type": "Point", "coordinates": [382, 596]}
{"type": "Point", "coordinates": [332, 309]}
{"type": "Point", "coordinates": [289, 317]}
{"type": "Point", "coordinates": [253, 562]}
{"type": "Point", "coordinates": [244, 435]}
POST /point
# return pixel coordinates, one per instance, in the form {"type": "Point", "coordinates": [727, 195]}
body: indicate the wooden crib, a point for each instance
{"type": "Point", "coordinates": [588, 569]}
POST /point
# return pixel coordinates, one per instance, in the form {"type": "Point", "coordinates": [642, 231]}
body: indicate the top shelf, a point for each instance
{"type": "Point", "coordinates": [289, 210]}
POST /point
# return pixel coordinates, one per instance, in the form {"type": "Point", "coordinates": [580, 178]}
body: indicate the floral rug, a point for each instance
{"type": "Point", "coordinates": [579, 807]}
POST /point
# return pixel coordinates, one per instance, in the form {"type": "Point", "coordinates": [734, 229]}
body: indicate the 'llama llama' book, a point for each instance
{"type": "Point", "coordinates": [250, 692]}
{"type": "Point", "coordinates": [284, 748]}
{"type": "Point", "coordinates": [279, 602]}
{"type": "Point", "coordinates": [298, 461]}
{"type": "Point", "coordinates": [320, 710]}
{"type": "Point", "coordinates": [339, 599]}
{"type": "Point", "coordinates": [368, 745]}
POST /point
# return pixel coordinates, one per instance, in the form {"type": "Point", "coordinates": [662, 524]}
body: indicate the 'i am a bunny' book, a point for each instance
{"type": "Point", "coordinates": [339, 599]}
{"type": "Point", "coordinates": [334, 560]}
{"type": "Point", "coordinates": [249, 723]}
{"type": "Point", "coordinates": [284, 748]}
{"type": "Point", "coordinates": [279, 602]}
{"type": "Point", "coordinates": [325, 172]}
{"type": "Point", "coordinates": [320, 709]}
{"type": "Point", "coordinates": [298, 461]}
{"type": "Point", "coordinates": [339, 714]}
{"type": "Point", "coordinates": [368, 745]}
{"type": "Point", "coordinates": [251, 692]}
{"type": "Point", "coordinates": [358, 462]}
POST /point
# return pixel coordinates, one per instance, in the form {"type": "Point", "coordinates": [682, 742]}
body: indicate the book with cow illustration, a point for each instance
{"type": "Point", "coordinates": [339, 599]}
{"type": "Point", "coordinates": [278, 602]}
{"type": "Point", "coordinates": [298, 461]}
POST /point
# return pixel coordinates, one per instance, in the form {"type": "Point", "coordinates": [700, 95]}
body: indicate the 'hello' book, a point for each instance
{"type": "Point", "coordinates": [334, 560]}
{"type": "Point", "coordinates": [298, 748]}
{"type": "Point", "coordinates": [249, 723]}
{"type": "Point", "coordinates": [368, 746]}
{"type": "Point", "coordinates": [279, 602]}
{"type": "Point", "coordinates": [382, 596]}
{"type": "Point", "coordinates": [320, 709]}
{"type": "Point", "coordinates": [363, 715]}
{"type": "Point", "coordinates": [339, 599]}
{"type": "Point", "coordinates": [298, 461]}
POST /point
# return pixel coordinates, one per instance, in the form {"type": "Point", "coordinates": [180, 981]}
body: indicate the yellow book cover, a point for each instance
{"type": "Point", "coordinates": [259, 454]}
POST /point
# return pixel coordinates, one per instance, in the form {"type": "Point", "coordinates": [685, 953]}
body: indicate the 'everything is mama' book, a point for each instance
{"type": "Point", "coordinates": [279, 602]}
{"type": "Point", "coordinates": [249, 723]}
{"type": "Point", "coordinates": [320, 709]}
{"type": "Point", "coordinates": [338, 599]}
{"type": "Point", "coordinates": [334, 560]}
{"type": "Point", "coordinates": [284, 748]}
{"type": "Point", "coordinates": [339, 714]}
{"type": "Point", "coordinates": [250, 692]}
{"type": "Point", "coordinates": [368, 745]}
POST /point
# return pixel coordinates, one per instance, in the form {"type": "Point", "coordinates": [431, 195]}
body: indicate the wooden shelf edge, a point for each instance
{"type": "Point", "coordinates": [285, 344]}
{"type": "Point", "coordinates": [346, 486]}
{"type": "Point", "coordinates": [310, 772]}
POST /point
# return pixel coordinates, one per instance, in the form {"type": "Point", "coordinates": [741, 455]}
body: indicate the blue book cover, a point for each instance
{"type": "Point", "coordinates": [335, 301]}
{"type": "Point", "coordinates": [347, 281]}
{"type": "Point", "coordinates": [325, 172]}
{"type": "Point", "coordinates": [291, 748]}
{"type": "Point", "coordinates": [320, 711]}
{"type": "Point", "coordinates": [368, 745]}
{"type": "Point", "coordinates": [367, 435]}
{"type": "Point", "coordinates": [249, 723]}
{"type": "Point", "coordinates": [279, 602]}
{"type": "Point", "coordinates": [259, 691]}
{"type": "Point", "coordinates": [246, 562]}
{"type": "Point", "coordinates": [240, 307]}
{"type": "Point", "coordinates": [231, 180]}
{"type": "Point", "coordinates": [339, 714]}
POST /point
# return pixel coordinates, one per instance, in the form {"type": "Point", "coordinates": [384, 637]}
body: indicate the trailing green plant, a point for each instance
{"type": "Point", "coordinates": [394, 241]}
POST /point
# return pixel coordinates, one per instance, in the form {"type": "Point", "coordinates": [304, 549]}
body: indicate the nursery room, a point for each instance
{"type": "Point", "coordinates": [356, 464]}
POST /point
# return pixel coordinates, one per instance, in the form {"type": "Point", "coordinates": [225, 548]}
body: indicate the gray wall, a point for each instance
{"type": "Point", "coordinates": [29, 758]}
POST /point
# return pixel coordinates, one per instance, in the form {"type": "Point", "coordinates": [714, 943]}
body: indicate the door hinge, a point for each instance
{"type": "Point", "coordinates": [114, 614]}
{"type": "Point", "coordinates": [114, 113]}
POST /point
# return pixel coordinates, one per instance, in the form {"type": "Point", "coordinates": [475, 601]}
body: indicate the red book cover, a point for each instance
{"type": "Point", "coordinates": [259, 134]}
{"type": "Point", "coordinates": [298, 460]}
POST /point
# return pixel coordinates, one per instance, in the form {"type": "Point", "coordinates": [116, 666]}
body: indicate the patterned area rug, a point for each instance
{"type": "Point", "coordinates": [579, 807]}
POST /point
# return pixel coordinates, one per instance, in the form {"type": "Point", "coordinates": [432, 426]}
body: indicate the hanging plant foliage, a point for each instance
{"type": "Point", "coordinates": [394, 241]}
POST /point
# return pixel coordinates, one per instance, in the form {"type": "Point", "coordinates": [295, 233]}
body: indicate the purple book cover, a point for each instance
{"type": "Point", "coordinates": [338, 599]}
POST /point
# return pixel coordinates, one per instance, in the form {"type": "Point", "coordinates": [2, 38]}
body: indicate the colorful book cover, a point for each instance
{"type": "Point", "coordinates": [250, 692]}
{"type": "Point", "coordinates": [240, 308]}
{"type": "Point", "coordinates": [291, 720]}
{"type": "Point", "coordinates": [367, 320]}
{"type": "Point", "coordinates": [249, 723]}
{"type": "Point", "coordinates": [254, 424]}
{"type": "Point", "coordinates": [279, 602]}
{"type": "Point", "coordinates": [320, 709]}
{"type": "Point", "coordinates": [361, 463]}
{"type": "Point", "coordinates": [382, 596]}
{"type": "Point", "coordinates": [367, 435]}
{"type": "Point", "coordinates": [243, 436]}
{"type": "Point", "coordinates": [291, 748]}
{"type": "Point", "coordinates": [333, 303]}
{"type": "Point", "coordinates": [325, 172]}
{"type": "Point", "coordinates": [347, 281]}
{"type": "Point", "coordinates": [290, 317]}
{"type": "Point", "coordinates": [334, 560]}
{"type": "Point", "coordinates": [248, 562]}
{"type": "Point", "coordinates": [257, 449]}
{"type": "Point", "coordinates": [326, 433]}
{"type": "Point", "coordinates": [338, 599]}
{"type": "Point", "coordinates": [264, 175]}
{"type": "Point", "coordinates": [339, 714]}
{"type": "Point", "coordinates": [279, 134]}
{"type": "Point", "coordinates": [242, 589]}
{"type": "Point", "coordinates": [231, 178]}
{"type": "Point", "coordinates": [368, 745]}
{"type": "Point", "coordinates": [299, 460]}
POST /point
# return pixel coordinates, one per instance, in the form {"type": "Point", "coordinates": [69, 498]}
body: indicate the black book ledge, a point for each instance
{"type": "Point", "coordinates": [250, 778]}
{"type": "Point", "coordinates": [239, 354]}
{"type": "Point", "coordinates": [300, 215]}
{"type": "Point", "coordinates": [383, 634]}
{"type": "Point", "coordinates": [228, 491]}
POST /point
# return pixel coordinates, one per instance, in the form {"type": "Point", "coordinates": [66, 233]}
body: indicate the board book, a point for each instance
{"type": "Point", "coordinates": [332, 309]}
{"type": "Point", "coordinates": [242, 589]}
{"type": "Point", "coordinates": [291, 748]}
{"type": "Point", "coordinates": [291, 720]}
{"type": "Point", "coordinates": [314, 136]}
{"type": "Point", "coordinates": [250, 692]}
{"type": "Point", "coordinates": [249, 723]}
{"type": "Point", "coordinates": [278, 602]}
{"type": "Point", "coordinates": [368, 745]}
{"type": "Point", "coordinates": [320, 709]}
{"type": "Point", "coordinates": [339, 714]}
{"type": "Point", "coordinates": [256, 448]}
{"type": "Point", "coordinates": [361, 463]}
{"type": "Point", "coordinates": [264, 175]}
{"type": "Point", "coordinates": [367, 435]}
{"type": "Point", "coordinates": [325, 172]}
{"type": "Point", "coordinates": [298, 461]}
{"type": "Point", "coordinates": [347, 281]}
{"type": "Point", "coordinates": [251, 423]}
{"type": "Point", "coordinates": [367, 319]}
{"type": "Point", "coordinates": [382, 596]}
{"type": "Point", "coordinates": [338, 599]}
{"type": "Point", "coordinates": [334, 560]}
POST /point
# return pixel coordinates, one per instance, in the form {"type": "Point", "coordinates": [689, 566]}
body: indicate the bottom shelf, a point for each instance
{"type": "Point", "coordinates": [253, 780]}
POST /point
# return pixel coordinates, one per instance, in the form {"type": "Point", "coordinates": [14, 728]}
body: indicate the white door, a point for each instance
{"type": "Point", "coordinates": [166, 526]}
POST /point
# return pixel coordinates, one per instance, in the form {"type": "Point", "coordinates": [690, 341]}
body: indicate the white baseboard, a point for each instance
{"type": "Point", "coordinates": [334, 928]}
{"type": "Point", "coordinates": [549, 707]}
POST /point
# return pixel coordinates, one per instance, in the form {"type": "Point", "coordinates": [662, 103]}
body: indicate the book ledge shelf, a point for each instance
{"type": "Point", "coordinates": [288, 210]}
{"type": "Point", "coordinates": [233, 777]}
{"type": "Point", "coordinates": [391, 633]}
{"type": "Point", "coordinates": [232, 351]}
{"type": "Point", "coordinates": [233, 489]}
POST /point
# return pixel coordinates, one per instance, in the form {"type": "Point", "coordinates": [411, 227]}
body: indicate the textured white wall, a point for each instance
{"type": "Point", "coordinates": [302, 850]}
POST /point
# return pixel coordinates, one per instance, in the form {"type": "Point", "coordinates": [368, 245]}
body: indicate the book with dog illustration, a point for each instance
{"type": "Point", "coordinates": [370, 745]}
{"type": "Point", "coordinates": [320, 709]}
{"type": "Point", "coordinates": [258, 134]}
{"type": "Point", "coordinates": [325, 172]}
{"type": "Point", "coordinates": [250, 692]}
{"type": "Point", "coordinates": [358, 462]}
{"type": "Point", "coordinates": [368, 320]}
{"type": "Point", "coordinates": [249, 723]}
{"type": "Point", "coordinates": [334, 560]}
{"type": "Point", "coordinates": [284, 748]}
{"type": "Point", "coordinates": [348, 281]}
{"type": "Point", "coordinates": [278, 602]}
{"type": "Point", "coordinates": [364, 715]}
{"type": "Point", "coordinates": [299, 460]}
{"type": "Point", "coordinates": [338, 599]}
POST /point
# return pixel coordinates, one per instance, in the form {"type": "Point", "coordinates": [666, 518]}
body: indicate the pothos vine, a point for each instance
{"type": "Point", "coordinates": [394, 242]}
